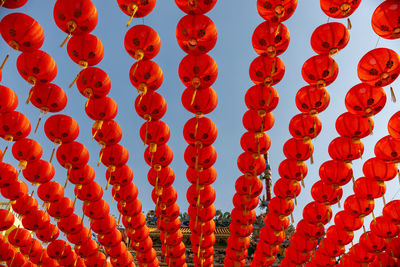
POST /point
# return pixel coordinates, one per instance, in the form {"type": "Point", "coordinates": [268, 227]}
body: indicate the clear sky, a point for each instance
{"type": "Point", "coordinates": [235, 21]}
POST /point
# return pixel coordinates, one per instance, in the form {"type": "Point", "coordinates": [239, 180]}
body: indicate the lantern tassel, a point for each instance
{"type": "Point", "coordinates": [74, 81]}
{"type": "Point", "coordinates": [370, 127]}
{"type": "Point", "coordinates": [4, 153]}
{"type": "Point", "coordinates": [193, 97]}
{"type": "Point", "coordinates": [373, 216]}
{"type": "Point", "coordinates": [147, 130]}
{"type": "Point", "coordinates": [302, 180]}
{"type": "Point", "coordinates": [349, 26]}
{"type": "Point", "coordinates": [29, 97]}
{"type": "Point", "coordinates": [384, 200]}
{"type": "Point", "coordinates": [76, 196]}
{"type": "Point", "coordinates": [338, 201]}
{"type": "Point", "coordinates": [119, 219]}
{"type": "Point", "coordinates": [269, 97]}
{"type": "Point", "coordinates": [135, 9]}
{"type": "Point", "coordinates": [295, 199]}
{"type": "Point", "coordinates": [38, 122]}
{"type": "Point", "coordinates": [4, 61]}
{"type": "Point", "coordinates": [52, 154]}
{"type": "Point", "coordinates": [278, 29]}
{"type": "Point", "coordinates": [291, 217]}
{"type": "Point", "coordinates": [311, 156]}
{"type": "Point", "coordinates": [393, 95]}
{"type": "Point", "coordinates": [66, 39]}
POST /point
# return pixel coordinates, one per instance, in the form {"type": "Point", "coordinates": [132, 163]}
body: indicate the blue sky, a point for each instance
{"type": "Point", "coordinates": [235, 21]}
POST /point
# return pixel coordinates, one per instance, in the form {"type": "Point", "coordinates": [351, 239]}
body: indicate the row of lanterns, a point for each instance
{"type": "Point", "coordinates": [196, 35]}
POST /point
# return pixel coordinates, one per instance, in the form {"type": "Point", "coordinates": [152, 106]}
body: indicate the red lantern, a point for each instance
{"type": "Point", "coordinates": [379, 67]}
{"type": "Point", "coordinates": [320, 70]}
{"type": "Point", "coordinates": [7, 219]}
{"type": "Point", "coordinates": [255, 142]}
{"type": "Point", "coordinates": [293, 169]}
{"type": "Point", "coordinates": [87, 249]}
{"type": "Point", "coordinates": [48, 97]}
{"type": "Point", "coordinates": [142, 42]}
{"type": "Point", "coordinates": [59, 249]}
{"type": "Point", "coordinates": [50, 191]}
{"type": "Point", "coordinates": [85, 50]}
{"type": "Point", "coordinates": [369, 188]}
{"type": "Point", "coordinates": [22, 32]}
{"type": "Point", "coordinates": [258, 121]}
{"type": "Point", "coordinates": [81, 176]}
{"type": "Point", "coordinates": [198, 71]}
{"type": "Point", "coordinates": [8, 174]}
{"type": "Point", "coordinates": [267, 71]}
{"type": "Point", "coordinates": [354, 126]}
{"type": "Point", "coordinates": [93, 82]}
{"type": "Point", "coordinates": [166, 197]}
{"type": "Point", "coordinates": [316, 213]}
{"type": "Point", "coordinates": [394, 125]}
{"type": "Point", "coordinates": [379, 169]}
{"type": "Point", "coordinates": [251, 186]}
{"type": "Point", "coordinates": [14, 126]}
{"type": "Point", "coordinates": [276, 10]}
{"type": "Point", "coordinates": [77, 17]}
{"type": "Point", "coordinates": [384, 21]}
{"type": "Point", "coordinates": [384, 227]}
{"type": "Point", "coordinates": [281, 206]}
{"type": "Point", "coordinates": [200, 131]}
{"type": "Point", "coordinates": [205, 196]}
{"type": "Point", "coordinates": [61, 208]}
{"type": "Point", "coordinates": [200, 158]}
{"type": "Point", "coordinates": [70, 224]}
{"type": "Point", "coordinates": [15, 190]}
{"type": "Point", "coordinates": [336, 172]}
{"type": "Point", "coordinates": [372, 243]}
{"type": "Point", "coordinates": [201, 101]}
{"type": "Point", "coordinates": [25, 205]}
{"type": "Point", "coordinates": [37, 67]}
{"type": "Point", "coordinates": [308, 230]}
{"type": "Point", "coordinates": [195, 7]}
{"type": "Point", "coordinates": [326, 193]}
{"type": "Point", "coordinates": [339, 236]}
{"type": "Point", "coordinates": [263, 98]}
{"type": "Point", "coordinates": [137, 9]}
{"type": "Point", "coordinates": [8, 100]}
{"type": "Point", "coordinates": [329, 38]}
{"type": "Point", "coordinates": [100, 110]}
{"type": "Point", "coordinates": [145, 76]}
{"type": "Point", "coordinates": [89, 192]}
{"type": "Point", "coordinates": [125, 193]}
{"type": "Point", "coordinates": [297, 149]}
{"type": "Point", "coordinates": [61, 129]}
{"type": "Point", "coordinates": [48, 233]}
{"type": "Point", "coordinates": [72, 154]}
{"type": "Point", "coordinates": [388, 149]}
{"type": "Point", "coordinates": [109, 134]}
{"type": "Point", "coordinates": [151, 106]}
{"type": "Point", "coordinates": [196, 34]}
{"type": "Point", "coordinates": [251, 164]}
{"type": "Point", "coordinates": [339, 8]}
{"type": "Point", "coordinates": [131, 208]}
{"type": "Point", "coordinates": [357, 206]}
{"type": "Point", "coordinates": [392, 211]}
{"type": "Point", "coordinates": [96, 209]}
{"type": "Point", "coordinates": [13, 3]}
{"type": "Point", "coordinates": [19, 237]}
{"type": "Point", "coordinates": [120, 176]}
{"type": "Point", "coordinates": [103, 226]}
{"type": "Point", "coordinates": [305, 127]}
{"type": "Point", "coordinates": [39, 171]}
{"type": "Point", "coordinates": [285, 189]}
{"type": "Point", "coordinates": [365, 100]}
{"type": "Point", "coordinates": [114, 156]}
{"type": "Point", "coordinates": [154, 133]}
{"type": "Point", "coordinates": [205, 176]}
{"type": "Point", "coordinates": [312, 100]}
{"type": "Point", "coordinates": [270, 39]}
{"type": "Point", "coordinates": [384, 259]}
{"type": "Point", "coordinates": [35, 220]}
{"type": "Point", "coordinates": [17, 260]}
{"type": "Point", "coordinates": [344, 148]}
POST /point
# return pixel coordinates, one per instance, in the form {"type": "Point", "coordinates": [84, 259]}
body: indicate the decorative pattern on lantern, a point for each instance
{"type": "Point", "coordinates": [85, 50]}
{"type": "Point", "coordinates": [26, 151]}
{"type": "Point", "coordinates": [75, 17]}
{"type": "Point", "coordinates": [142, 42]}
{"type": "Point", "coordinates": [312, 100]}
{"type": "Point", "coordinates": [198, 71]}
{"type": "Point", "coordinates": [320, 70]}
{"type": "Point", "coordinates": [267, 71]}
{"type": "Point", "coordinates": [365, 100]}
{"type": "Point", "coordinates": [36, 67]}
{"type": "Point", "coordinates": [385, 20]}
{"type": "Point", "coordinates": [270, 39]}
{"type": "Point", "coordinates": [330, 38]}
{"type": "Point", "coordinates": [93, 82]}
{"type": "Point", "coordinates": [100, 110]}
{"type": "Point", "coordinates": [22, 32]}
{"type": "Point", "coordinates": [354, 126]}
{"type": "Point", "coordinates": [146, 76]}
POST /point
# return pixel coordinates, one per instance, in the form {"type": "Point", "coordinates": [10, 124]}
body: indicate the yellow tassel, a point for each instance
{"type": "Point", "coordinates": [66, 39]}
{"type": "Point", "coordinates": [369, 126]}
{"type": "Point", "coordinates": [278, 29]}
{"type": "Point", "coordinates": [29, 97]}
{"type": "Point", "coordinates": [392, 95]}
{"type": "Point", "coordinates": [193, 97]}
{"type": "Point", "coordinates": [269, 97]}
{"type": "Point", "coordinates": [349, 26]}
{"type": "Point", "coordinates": [273, 68]}
{"type": "Point", "coordinates": [145, 136]}
{"type": "Point", "coordinates": [384, 200]}
{"type": "Point", "coordinates": [52, 154]}
{"type": "Point", "coordinates": [135, 9]}
{"type": "Point", "coordinates": [4, 153]}
{"type": "Point", "coordinates": [4, 62]}
{"type": "Point", "coordinates": [74, 81]}
{"type": "Point", "coordinates": [311, 156]}
{"type": "Point", "coordinates": [291, 217]}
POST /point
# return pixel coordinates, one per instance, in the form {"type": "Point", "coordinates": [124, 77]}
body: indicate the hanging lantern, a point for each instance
{"type": "Point", "coordinates": [293, 169]}
{"type": "Point", "coordinates": [35, 220]}
{"type": "Point", "coordinates": [344, 148]}
{"type": "Point", "coordinates": [142, 42]}
{"type": "Point", "coordinates": [135, 8]}
{"type": "Point", "coordinates": [201, 101]}
{"type": "Point", "coordinates": [39, 171]}
{"type": "Point", "coordinates": [7, 219]}
{"type": "Point", "coordinates": [388, 149]}
{"type": "Point", "coordinates": [380, 170]}
{"type": "Point", "coordinates": [312, 100]}
{"type": "Point", "coordinates": [392, 211]}
{"type": "Point", "coordinates": [114, 156]}
{"type": "Point", "coordinates": [200, 158]}
{"type": "Point", "coordinates": [371, 242]}
{"type": "Point", "coordinates": [267, 71]}
{"type": "Point", "coordinates": [70, 224]}
{"type": "Point", "coordinates": [305, 127]}
{"type": "Point", "coordinates": [76, 17]}
{"type": "Point", "coordinates": [339, 236]}
{"type": "Point", "coordinates": [330, 38]}
{"type": "Point", "coordinates": [339, 8]}
{"type": "Point", "coordinates": [109, 134]}
{"type": "Point", "coordinates": [255, 142]}
{"type": "Point", "coordinates": [93, 82]}
{"type": "Point", "coordinates": [154, 133]}
{"type": "Point", "coordinates": [15, 190]}
{"type": "Point", "coordinates": [72, 154]}
{"type": "Point", "coordinates": [14, 126]}
{"type": "Point", "coordinates": [26, 150]}
{"type": "Point", "coordinates": [263, 98]}
{"type": "Point", "coordinates": [36, 67]}
{"type": "Point", "coordinates": [365, 100]}
{"type": "Point", "coordinates": [379, 67]}
{"type": "Point", "coordinates": [50, 191]}
{"type": "Point", "coordinates": [13, 3]}
{"type": "Point", "coordinates": [8, 174]}
{"type": "Point", "coordinates": [384, 228]}
{"type": "Point", "coordinates": [283, 189]}
{"type": "Point", "coordinates": [205, 176]}
{"type": "Point", "coordinates": [96, 209]}
{"type": "Point", "coordinates": [316, 213]}
{"type": "Point", "coordinates": [22, 32]}
{"type": "Point", "coordinates": [276, 10]}
{"type": "Point", "coordinates": [195, 7]}
{"type": "Point", "coordinates": [308, 231]}
{"type": "Point", "coordinates": [48, 98]}
{"type": "Point", "coordinates": [100, 110]}
{"type": "Point", "coordinates": [336, 172]}
{"type": "Point", "coordinates": [25, 205]}
{"type": "Point", "coordinates": [384, 22]}
{"type": "Point", "coordinates": [198, 71]}
{"type": "Point", "coordinates": [354, 126]}
{"type": "Point", "coordinates": [326, 193]}
{"type": "Point", "coordinates": [320, 70]}
{"type": "Point", "coordinates": [200, 131]}
{"type": "Point", "coordinates": [103, 226]}
{"type": "Point", "coordinates": [8, 99]}
{"type": "Point", "coordinates": [258, 121]}
{"type": "Point", "coordinates": [85, 50]}
{"type": "Point", "coordinates": [146, 76]}
{"type": "Point", "coordinates": [89, 192]}
{"type": "Point", "coordinates": [151, 106]}
{"type": "Point", "coordinates": [61, 129]}
{"type": "Point", "coordinates": [358, 206]}
{"type": "Point", "coordinates": [270, 39]}
{"type": "Point", "coordinates": [394, 125]}
{"type": "Point", "coordinates": [120, 176]}
{"type": "Point", "coordinates": [61, 208]}
{"type": "Point", "coordinates": [196, 34]}
{"type": "Point", "coordinates": [369, 188]}
{"type": "Point", "coordinates": [298, 150]}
